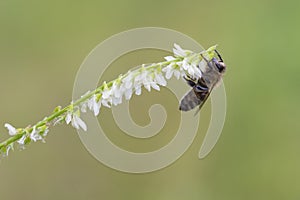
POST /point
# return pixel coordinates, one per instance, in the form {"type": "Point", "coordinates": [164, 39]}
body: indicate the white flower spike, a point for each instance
{"type": "Point", "coordinates": [181, 63]}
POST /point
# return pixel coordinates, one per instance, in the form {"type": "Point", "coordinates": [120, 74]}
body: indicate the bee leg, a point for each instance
{"type": "Point", "coordinates": [209, 63]}
{"type": "Point", "coordinates": [204, 58]}
{"type": "Point", "coordinates": [189, 81]}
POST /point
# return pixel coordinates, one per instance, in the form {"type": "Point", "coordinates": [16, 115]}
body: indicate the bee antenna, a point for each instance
{"type": "Point", "coordinates": [219, 55]}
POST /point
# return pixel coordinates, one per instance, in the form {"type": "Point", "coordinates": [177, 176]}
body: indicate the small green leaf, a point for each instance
{"type": "Point", "coordinates": [212, 48]}
{"type": "Point", "coordinates": [58, 108]}
{"type": "Point", "coordinates": [27, 140]}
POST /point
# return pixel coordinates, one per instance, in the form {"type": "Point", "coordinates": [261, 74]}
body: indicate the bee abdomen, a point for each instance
{"type": "Point", "coordinates": [189, 101]}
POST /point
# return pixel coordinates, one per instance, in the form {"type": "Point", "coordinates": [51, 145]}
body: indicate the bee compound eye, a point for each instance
{"type": "Point", "coordinates": [220, 66]}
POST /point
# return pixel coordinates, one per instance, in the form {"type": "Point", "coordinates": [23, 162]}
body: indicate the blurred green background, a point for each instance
{"type": "Point", "coordinates": [43, 43]}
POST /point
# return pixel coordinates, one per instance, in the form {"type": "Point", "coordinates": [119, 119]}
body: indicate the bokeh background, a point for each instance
{"type": "Point", "coordinates": [43, 43]}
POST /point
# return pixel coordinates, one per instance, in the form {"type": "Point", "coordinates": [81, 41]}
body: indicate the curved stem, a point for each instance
{"type": "Point", "coordinates": [62, 111]}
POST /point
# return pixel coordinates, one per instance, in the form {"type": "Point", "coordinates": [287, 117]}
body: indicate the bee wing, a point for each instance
{"type": "Point", "coordinates": [193, 99]}
{"type": "Point", "coordinates": [203, 96]}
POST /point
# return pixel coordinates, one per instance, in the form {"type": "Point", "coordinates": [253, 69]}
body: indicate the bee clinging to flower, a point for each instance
{"type": "Point", "coordinates": [201, 87]}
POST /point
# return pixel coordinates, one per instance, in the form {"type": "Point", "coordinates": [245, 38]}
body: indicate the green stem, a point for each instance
{"type": "Point", "coordinates": [60, 112]}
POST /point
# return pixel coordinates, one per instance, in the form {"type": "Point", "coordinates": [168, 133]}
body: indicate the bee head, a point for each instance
{"type": "Point", "coordinates": [220, 65]}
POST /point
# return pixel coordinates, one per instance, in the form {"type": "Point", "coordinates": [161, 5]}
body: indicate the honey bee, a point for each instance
{"type": "Point", "coordinates": [202, 87]}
